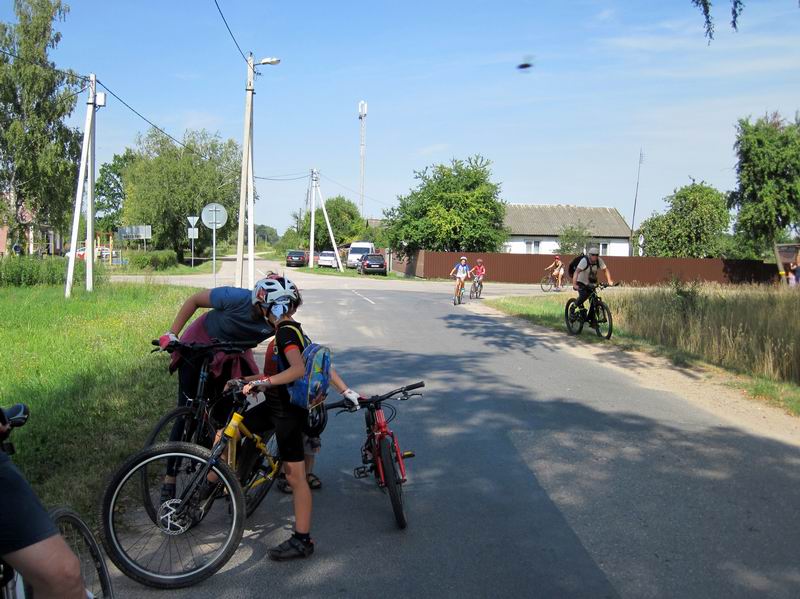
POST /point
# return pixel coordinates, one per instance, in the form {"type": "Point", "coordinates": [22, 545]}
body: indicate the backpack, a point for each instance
{"type": "Point", "coordinates": [310, 390]}
{"type": "Point", "coordinates": [574, 264]}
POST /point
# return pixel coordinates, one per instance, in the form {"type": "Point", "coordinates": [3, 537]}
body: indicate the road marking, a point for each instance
{"type": "Point", "coordinates": [362, 297]}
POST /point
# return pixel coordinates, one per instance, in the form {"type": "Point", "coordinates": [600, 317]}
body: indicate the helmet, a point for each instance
{"type": "Point", "coordinates": [273, 289]}
{"type": "Point", "coordinates": [316, 422]}
{"type": "Point", "coordinates": [462, 258]}
{"type": "Point", "coordinates": [558, 257]}
{"type": "Point", "coordinates": [593, 251]}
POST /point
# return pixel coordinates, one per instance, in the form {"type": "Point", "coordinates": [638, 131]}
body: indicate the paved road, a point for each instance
{"type": "Point", "coordinates": [538, 474]}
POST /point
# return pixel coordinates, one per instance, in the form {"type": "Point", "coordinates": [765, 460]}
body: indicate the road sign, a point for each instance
{"type": "Point", "coordinates": [135, 232]}
{"type": "Point", "coordinates": [214, 216]}
{"type": "Point", "coordinates": [193, 233]}
{"type": "Point", "coordinates": [192, 220]}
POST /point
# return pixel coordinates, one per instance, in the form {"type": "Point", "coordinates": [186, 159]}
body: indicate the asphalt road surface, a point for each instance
{"type": "Point", "coordinates": [538, 473]}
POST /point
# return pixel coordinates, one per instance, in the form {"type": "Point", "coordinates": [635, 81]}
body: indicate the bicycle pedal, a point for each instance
{"type": "Point", "coordinates": [408, 454]}
{"type": "Point", "coordinates": [361, 472]}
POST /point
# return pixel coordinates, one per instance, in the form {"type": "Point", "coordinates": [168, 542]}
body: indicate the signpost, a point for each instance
{"type": "Point", "coordinates": [214, 216]}
{"type": "Point", "coordinates": [192, 232]}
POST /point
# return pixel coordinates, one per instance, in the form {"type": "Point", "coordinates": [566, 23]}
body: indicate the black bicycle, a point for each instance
{"type": "Point", "coordinates": [476, 289]}
{"type": "Point", "coordinates": [598, 316]}
{"type": "Point", "coordinates": [76, 533]}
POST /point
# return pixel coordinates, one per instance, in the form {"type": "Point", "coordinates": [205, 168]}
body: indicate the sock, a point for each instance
{"type": "Point", "coordinates": [305, 537]}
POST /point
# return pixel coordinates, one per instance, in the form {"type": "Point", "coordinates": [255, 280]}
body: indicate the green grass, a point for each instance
{"type": "Point", "coordinates": [84, 368]}
{"type": "Point", "coordinates": [200, 268]}
{"type": "Point", "coordinates": [751, 331]}
{"type": "Point", "coordinates": [348, 272]}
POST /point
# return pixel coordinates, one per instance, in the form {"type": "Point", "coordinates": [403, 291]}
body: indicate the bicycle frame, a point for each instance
{"type": "Point", "coordinates": [377, 429]}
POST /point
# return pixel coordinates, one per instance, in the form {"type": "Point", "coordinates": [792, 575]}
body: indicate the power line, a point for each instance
{"type": "Point", "coordinates": [45, 66]}
{"type": "Point", "coordinates": [354, 191]}
{"type": "Point", "coordinates": [281, 179]}
{"type": "Point", "coordinates": [233, 37]}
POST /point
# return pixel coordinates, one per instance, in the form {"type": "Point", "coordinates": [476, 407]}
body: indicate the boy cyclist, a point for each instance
{"type": "Point", "coordinates": [479, 271]}
{"type": "Point", "coordinates": [461, 272]}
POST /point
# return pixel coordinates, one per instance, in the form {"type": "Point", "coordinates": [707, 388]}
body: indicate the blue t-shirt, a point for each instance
{"type": "Point", "coordinates": [232, 317]}
{"type": "Point", "coordinates": [462, 269]}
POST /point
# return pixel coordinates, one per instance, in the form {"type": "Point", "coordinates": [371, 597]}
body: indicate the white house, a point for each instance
{"type": "Point", "coordinates": [534, 228]}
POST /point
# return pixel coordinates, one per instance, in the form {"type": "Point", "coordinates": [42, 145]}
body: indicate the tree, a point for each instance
{"type": "Point", "coordinates": [166, 183]}
{"type": "Point", "coordinates": [267, 233]}
{"type": "Point", "coordinates": [768, 172]}
{"type": "Point", "coordinates": [345, 221]}
{"type": "Point", "coordinates": [291, 240]}
{"type": "Point", "coordinates": [573, 239]}
{"type": "Point", "coordinates": [39, 153]}
{"type": "Point", "coordinates": [705, 6]}
{"type": "Point", "coordinates": [454, 208]}
{"type": "Point", "coordinates": [110, 191]}
{"type": "Point", "coordinates": [692, 227]}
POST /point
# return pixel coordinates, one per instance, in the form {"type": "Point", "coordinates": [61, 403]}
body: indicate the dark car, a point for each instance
{"type": "Point", "coordinates": [296, 258]}
{"type": "Point", "coordinates": [372, 264]}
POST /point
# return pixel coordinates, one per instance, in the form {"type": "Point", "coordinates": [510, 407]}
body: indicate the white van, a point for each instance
{"type": "Point", "coordinates": [359, 249]}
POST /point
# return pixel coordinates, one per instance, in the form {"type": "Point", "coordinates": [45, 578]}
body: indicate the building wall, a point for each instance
{"type": "Point", "coordinates": [522, 244]}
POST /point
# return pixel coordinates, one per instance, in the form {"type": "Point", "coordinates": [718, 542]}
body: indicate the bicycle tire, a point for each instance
{"type": "Point", "coordinates": [391, 481]}
{"type": "Point", "coordinates": [113, 504]}
{"type": "Point", "coordinates": [602, 315]}
{"type": "Point", "coordinates": [253, 476]}
{"type": "Point", "coordinates": [546, 284]}
{"type": "Point", "coordinates": [472, 291]}
{"type": "Point", "coordinates": [573, 320]}
{"type": "Point", "coordinates": [80, 539]}
{"type": "Point", "coordinates": [480, 291]}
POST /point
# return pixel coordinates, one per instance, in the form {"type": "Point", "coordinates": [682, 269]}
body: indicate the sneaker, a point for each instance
{"type": "Point", "coordinates": [290, 549]}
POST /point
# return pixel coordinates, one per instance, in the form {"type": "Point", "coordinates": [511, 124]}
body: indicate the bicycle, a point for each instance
{"type": "Point", "coordinates": [476, 289]}
{"type": "Point", "coordinates": [458, 297]}
{"type": "Point", "coordinates": [380, 454]}
{"type": "Point", "coordinates": [76, 533]}
{"type": "Point", "coordinates": [598, 316]}
{"type": "Point", "coordinates": [548, 282]}
{"type": "Point", "coordinates": [197, 532]}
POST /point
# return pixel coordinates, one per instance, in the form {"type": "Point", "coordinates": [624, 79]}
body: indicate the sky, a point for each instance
{"type": "Point", "coordinates": [441, 82]}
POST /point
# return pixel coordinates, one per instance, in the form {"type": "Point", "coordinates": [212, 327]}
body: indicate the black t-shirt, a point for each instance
{"type": "Point", "coordinates": [288, 334]}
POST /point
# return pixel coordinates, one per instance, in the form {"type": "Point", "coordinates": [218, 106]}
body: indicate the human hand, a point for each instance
{"type": "Point", "coordinates": [234, 384]}
{"type": "Point", "coordinates": [351, 398]}
{"type": "Point", "coordinates": [166, 339]}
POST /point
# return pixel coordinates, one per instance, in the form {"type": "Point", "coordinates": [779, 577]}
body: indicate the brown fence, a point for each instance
{"type": "Point", "coordinates": [529, 268]}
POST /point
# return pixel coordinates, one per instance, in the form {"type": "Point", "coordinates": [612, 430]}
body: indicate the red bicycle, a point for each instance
{"type": "Point", "coordinates": [381, 453]}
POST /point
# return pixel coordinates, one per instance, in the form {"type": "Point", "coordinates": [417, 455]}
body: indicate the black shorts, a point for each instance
{"type": "Point", "coordinates": [288, 422]}
{"type": "Point", "coordinates": [23, 519]}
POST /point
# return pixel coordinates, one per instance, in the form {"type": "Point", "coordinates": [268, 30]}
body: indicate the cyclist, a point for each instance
{"type": "Point", "coordinates": [461, 272]}
{"type": "Point", "coordinates": [29, 541]}
{"type": "Point", "coordinates": [280, 299]}
{"type": "Point", "coordinates": [479, 271]}
{"type": "Point", "coordinates": [557, 268]}
{"type": "Point", "coordinates": [586, 277]}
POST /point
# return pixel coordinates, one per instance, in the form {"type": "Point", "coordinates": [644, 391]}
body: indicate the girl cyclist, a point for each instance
{"type": "Point", "coordinates": [461, 272]}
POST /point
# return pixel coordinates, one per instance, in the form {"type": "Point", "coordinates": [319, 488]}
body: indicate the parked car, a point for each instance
{"type": "Point", "coordinates": [327, 258]}
{"type": "Point", "coordinates": [357, 251]}
{"type": "Point", "coordinates": [372, 264]}
{"type": "Point", "coordinates": [296, 258]}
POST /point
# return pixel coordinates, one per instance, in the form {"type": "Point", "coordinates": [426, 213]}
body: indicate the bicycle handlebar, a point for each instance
{"type": "Point", "coordinates": [378, 398]}
{"type": "Point", "coordinates": [229, 347]}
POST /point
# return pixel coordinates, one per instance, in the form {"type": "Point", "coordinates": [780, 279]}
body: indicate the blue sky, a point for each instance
{"type": "Point", "coordinates": [441, 82]}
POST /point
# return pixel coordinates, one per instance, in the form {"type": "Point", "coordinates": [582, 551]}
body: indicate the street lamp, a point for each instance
{"type": "Point", "coordinates": [271, 61]}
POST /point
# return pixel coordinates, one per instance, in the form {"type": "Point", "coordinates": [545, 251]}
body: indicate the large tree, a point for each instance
{"type": "Point", "coordinates": [267, 233]}
{"type": "Point", "coordinates": [692, 227]}
{"type": "Point", "coordinates": [110, 191]}
{"type": "Point", "coordinates": [166, 183]}
{"type": "Point", "coordinates": [768, 172]}
{"type": "Point", "coordinates": [345, 221]}
{"type": "Point", "coordinates": [39, 153]}
{"type": "Point", "coordinates": [705, 6]}
{"type": "Point", "coordinates": [455, 207]}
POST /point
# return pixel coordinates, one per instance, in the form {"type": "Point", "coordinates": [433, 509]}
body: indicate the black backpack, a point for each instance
{"type": "Point", "coordinates": [574, 264]}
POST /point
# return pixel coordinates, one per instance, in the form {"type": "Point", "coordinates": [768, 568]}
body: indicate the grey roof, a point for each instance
{"type": "Point", "coordinates": [541, 219]}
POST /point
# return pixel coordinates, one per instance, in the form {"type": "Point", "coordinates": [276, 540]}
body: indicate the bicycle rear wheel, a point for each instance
{"type": "Point", "coordinates": [257, 472]}
{"type": "Point", "coordinates": [605, 325]}
{"type": "Point", "coordinates": [192, 536]}
{"type": "Point", "coordinates": [572, 317]}
{"type": "Point", "coordinates": [392, 480]}
{"type": "Point", "coordinates": [83, 544]}
{"type": "Point", "coordinates": [472, 292]}
{"type": "Point", "coordinates": [546, 284]}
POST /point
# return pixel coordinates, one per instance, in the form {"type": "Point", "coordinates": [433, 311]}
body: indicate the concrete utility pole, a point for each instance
{"type": "Point", "coordinates": [85, 172]}
{"type": "Point", "coordinates": [313, 207]}
{"type": "Point", "coordinates": [362, 117]}
{"type": "Point", "coordinates": [315, 191]}
{"type": "Point", "coordinates": [635, 198]}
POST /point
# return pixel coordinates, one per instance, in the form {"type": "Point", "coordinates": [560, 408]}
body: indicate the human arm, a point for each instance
{"type": "Point", "coordinates": [604, 268]}
{"type": "Point", "coordinates": [201, 299]}
{"type": "Point", "coordinates": [553, 265]}
{"type": "Point", "coordinates": [338, 384]}
{"type": "Point", "coordinates": [295, 371]}
{"type": "Point", "coordinates": [452, 272]}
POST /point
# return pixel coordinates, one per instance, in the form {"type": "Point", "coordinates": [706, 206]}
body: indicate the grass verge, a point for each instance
{"type": "Point", "coordinates": [200, 268]}
{"type": "Point", "coordinates": [348, 272]}
{"type": "Point", "coordinates": [84, 368]}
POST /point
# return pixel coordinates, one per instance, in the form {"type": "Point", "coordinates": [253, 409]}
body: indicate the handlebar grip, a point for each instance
{"type": "Point", "coordinates": [418, 385]}
{"type": "Point", "coordinates": [154, 342]}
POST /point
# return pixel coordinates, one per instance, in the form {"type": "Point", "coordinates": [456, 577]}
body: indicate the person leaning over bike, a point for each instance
{"type": "Point", "coordinates": [585, 278]}
{"type": "Point", "coordinates": [29, 540]}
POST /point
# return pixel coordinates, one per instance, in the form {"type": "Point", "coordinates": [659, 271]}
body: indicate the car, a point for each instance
{"type": "Point", "coordinates": [357, 251]}
{"type": "Point", "coordinates": [296, 258]}
{"type": "Point", "coordinates": [372, 264]}
{"type": "Point", "coordinates": [327, 258]}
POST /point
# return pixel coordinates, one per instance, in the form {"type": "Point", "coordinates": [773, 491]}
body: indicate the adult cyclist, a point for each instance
{"type": "Point", "coordinates": [557, 268]}
{"type": "Point", "coordinates": [461, 272]}
{"type": "Point", "coordinates": [29, 540]}
{"type": "Point", "coordinates": [586, 277]}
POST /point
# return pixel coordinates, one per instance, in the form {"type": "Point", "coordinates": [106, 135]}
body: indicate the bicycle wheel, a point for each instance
{"type": "Point", "coordinates": [605, 325]}
{"type": "Point", "coordinates": [480, 290]}
{"type": "Point", "coordinates": [472, 291]}
{"type": "Point", "coordinates": [83, 544]}
{"type": "Point", "coordinates": [391, 478]}
{"type": "Point", "coordinates": [257, 472]}
{"type": "Point", "coordinates": [192, 537]}
{"type": "Point", "coordinates": [572, 317]}
{"type": "Point", "coordinates": [546, 284]}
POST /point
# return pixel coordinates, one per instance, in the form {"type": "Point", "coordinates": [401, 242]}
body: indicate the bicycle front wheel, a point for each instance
{"type": "Point", "coordinates": [480, 291]}
{"type": "Point", "coordinates": [546, 284]}
{"type": "Point", "coordinates": [193, 535]}
{"type": "Point", "coordinates": [472, 292]}
{"type": "Point", "coordinates": [392, 480]}
{"type": "Point", "coordinates": [572, 317]}
{"type": "Point", "coordinates": [257, 472]}
{"type": "Point", "coordinates": [83, 544]}
{"type": "Point", "coordinates": [605, 325]}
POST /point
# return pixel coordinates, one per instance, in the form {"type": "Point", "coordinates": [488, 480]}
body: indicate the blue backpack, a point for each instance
{"type": "Point", "coordinates": [311, 389]}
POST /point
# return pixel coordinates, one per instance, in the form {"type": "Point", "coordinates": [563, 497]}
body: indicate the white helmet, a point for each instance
{"type": "Point", "coordinates": [593, 251]}
{"type": "Point", "coordinates": [274, 290]}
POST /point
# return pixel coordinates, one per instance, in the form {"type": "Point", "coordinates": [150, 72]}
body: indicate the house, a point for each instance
{"type": "Point", "coordinates": [33, 237]}
{"type": "Point", "coordinates": [534, 228]}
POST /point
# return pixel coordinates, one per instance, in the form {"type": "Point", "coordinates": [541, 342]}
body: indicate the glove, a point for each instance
{"type": "Point", "coordinates": [166, 339]}
{"type": "Point", "coordinates": [351, 398]}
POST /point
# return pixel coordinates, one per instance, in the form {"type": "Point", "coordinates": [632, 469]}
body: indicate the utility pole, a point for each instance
{"type": "Point", "coordinates": [313, 201]}
{"type": "Point", "coordinates": [635, 199]}
{"type": "Point", "coordinates": [85, 175]}
{"type": "Point", "coordinates": [362, 117]}
{"type": "Point", "coordinates": [315, 191]}
{"type": "Point", "coordinates": [244, 182]}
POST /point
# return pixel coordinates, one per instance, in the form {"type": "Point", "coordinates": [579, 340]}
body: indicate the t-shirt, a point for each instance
{"type": "Point", "coordinates": [461, 269]}
{"type": "Point", "coordinates": [586, 275]}
{"type": "Point", "coordinates": [288, 335]}
{"type": "Point", "coordinates": [231, 318]}
{"type": "Point", "coordinates": [480, 270]}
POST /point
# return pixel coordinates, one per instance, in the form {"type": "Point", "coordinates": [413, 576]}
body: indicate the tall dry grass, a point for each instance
{"type": "Point", "coordinates": [752, 329]}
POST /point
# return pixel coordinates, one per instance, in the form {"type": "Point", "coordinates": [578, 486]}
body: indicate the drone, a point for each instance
{"type": "Point", "coordinates": [527, 63]}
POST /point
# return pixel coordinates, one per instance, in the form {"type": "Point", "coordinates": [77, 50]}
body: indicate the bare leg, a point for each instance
{"type": "Point", "coordinates": [301, 495]}
{"type": "Point", "coordinates": [51, 568]}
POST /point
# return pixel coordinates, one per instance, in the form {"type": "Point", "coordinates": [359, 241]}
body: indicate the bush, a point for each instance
{"type": "Point", "coordinates": [26, 271]}
{"type": "Point", "coordinates": [157, 260]}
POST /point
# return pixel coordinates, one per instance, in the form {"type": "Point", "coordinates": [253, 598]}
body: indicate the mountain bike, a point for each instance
{"type": "Point", "coordinates": [380, 454]}
{"type": "Point", "coordinates": [76, 533]}
{"type": "Point", "coordinates": [195, 533]}
{"type": "Point", "coordinates": [458, 297]}
{"type": "Point", "coordinates": [476, 289]}
{"type": "Point", "coordinates": [598, 316]}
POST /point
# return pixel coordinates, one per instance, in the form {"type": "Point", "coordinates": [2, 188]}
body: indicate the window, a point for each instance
{"type": "Point", "coordinates": [536, 247]}
{"type": "Point", "coordinates": [604, 249]}
{"type": "Point", "coordinates": [528, 247]}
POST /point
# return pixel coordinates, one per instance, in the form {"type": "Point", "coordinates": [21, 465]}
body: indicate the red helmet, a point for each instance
{"type": "Point", "coordinates": [558, 257]}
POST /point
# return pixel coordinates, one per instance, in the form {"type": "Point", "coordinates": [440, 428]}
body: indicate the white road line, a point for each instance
{"type": "Point", "coordinates": [362, 297]}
